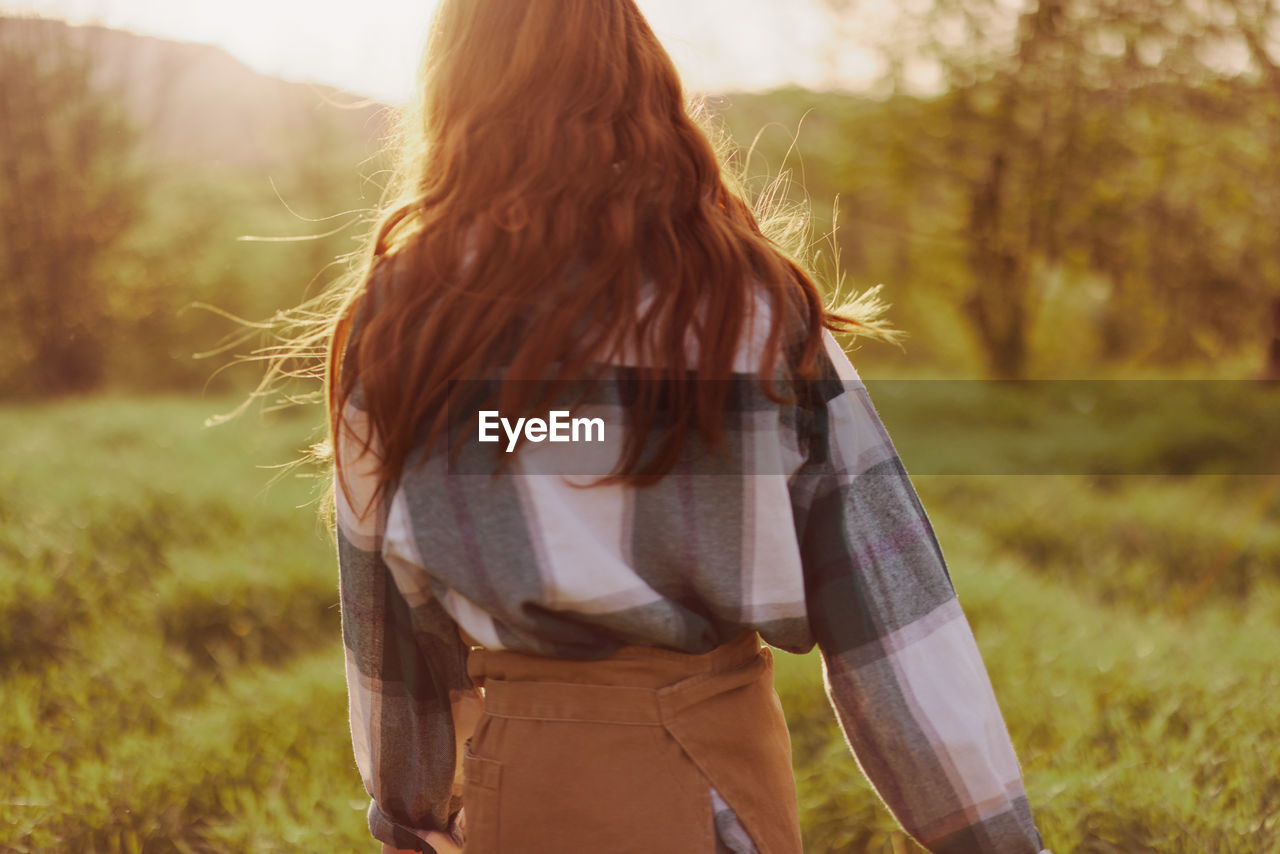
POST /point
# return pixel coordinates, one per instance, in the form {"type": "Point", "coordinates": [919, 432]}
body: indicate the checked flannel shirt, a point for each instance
{"type": "Point", "coordinates": [822, 540]}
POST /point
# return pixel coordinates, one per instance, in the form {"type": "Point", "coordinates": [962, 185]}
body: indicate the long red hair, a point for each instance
{"type": "Point", "coordinates": [550, 170]}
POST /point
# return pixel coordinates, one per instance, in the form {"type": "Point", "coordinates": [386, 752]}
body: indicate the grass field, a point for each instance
{"type": "Point", "coordinates": [172, 671]}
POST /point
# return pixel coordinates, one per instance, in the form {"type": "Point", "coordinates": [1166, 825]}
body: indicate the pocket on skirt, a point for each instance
{"type": "Point", "coordinates": [481, 789]}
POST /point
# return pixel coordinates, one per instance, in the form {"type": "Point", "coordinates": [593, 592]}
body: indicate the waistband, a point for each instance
{"type": "Point", "coordinates": [636, 685]}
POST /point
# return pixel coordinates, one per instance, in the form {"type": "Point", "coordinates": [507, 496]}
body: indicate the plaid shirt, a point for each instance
{"type": "Point", "coordinates": [826, 542]}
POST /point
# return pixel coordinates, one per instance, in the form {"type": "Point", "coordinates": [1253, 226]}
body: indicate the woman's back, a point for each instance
{"type": "Point", "coordinates": [566, 243]}
{"type": "Point", "coordinates": [803, 527]}
{"type": "Point", "coordinates": [539, 557]}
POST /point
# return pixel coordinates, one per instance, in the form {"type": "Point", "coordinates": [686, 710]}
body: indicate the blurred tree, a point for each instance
{"type": "Point", "coordinates": [70, 191]}
{"type": "Point", "coordinates": [1123, 149]}
{"type": "Point", "coordinates": [1072, 144]}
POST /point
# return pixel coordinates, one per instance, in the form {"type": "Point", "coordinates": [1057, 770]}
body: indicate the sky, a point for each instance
{"type": "Point", "coordinates": [373, 47]}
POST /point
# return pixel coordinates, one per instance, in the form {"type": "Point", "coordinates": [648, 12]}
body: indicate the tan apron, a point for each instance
{"type": "Point", "coordinates": [616, 756]}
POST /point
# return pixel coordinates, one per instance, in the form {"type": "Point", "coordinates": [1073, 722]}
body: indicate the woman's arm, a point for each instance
{"type": "Point", "coordinates": [901, 667]}
{"type": "Point", "coordinates": [405, 668]}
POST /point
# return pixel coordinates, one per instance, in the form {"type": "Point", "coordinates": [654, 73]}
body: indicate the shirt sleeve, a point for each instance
{"type": "Point", "coordinates": [410, 698]}
{"type": "Point", "coordinates": [900, 664]}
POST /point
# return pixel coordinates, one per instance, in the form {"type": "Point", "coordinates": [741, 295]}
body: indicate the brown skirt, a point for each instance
{"type": "Point", "coordinates": [619, 755]}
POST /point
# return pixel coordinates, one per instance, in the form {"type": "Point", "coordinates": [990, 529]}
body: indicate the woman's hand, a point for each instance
{"type": "Point", "coordinates": [448, 843]}
{"type": "Point", "coordinates": [439, 841]}
{"type": "Point", "coordinates": [443, 844]}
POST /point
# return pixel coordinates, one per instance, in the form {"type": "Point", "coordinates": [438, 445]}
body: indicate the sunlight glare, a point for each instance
{"type": "Point", "coordinates": [374, 48]}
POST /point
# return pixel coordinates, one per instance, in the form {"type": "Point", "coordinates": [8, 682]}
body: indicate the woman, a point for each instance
{"type": "Point", "coordinates": [563, 221]}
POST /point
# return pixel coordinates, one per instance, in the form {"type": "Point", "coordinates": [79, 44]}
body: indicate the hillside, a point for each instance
{"type": "Point", "coordinates": [197, 103]}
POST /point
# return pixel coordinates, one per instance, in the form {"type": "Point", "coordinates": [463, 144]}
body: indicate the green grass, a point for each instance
{"type": "Point", "coordinates": [170, 635]}
{"type": "Point", "coordinates": [171, 670]}
{"type": "Point", "coordinates": [1136, 731]}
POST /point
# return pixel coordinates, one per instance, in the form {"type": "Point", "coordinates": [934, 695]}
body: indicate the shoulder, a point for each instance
{"type": "Point", "coordinates": [797, 335]}
{"type": "Point", "coordinates": [839, 359]}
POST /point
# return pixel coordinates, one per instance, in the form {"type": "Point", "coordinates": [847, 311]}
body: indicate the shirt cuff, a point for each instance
{"type": "Point", "coordinates": [401, 836]}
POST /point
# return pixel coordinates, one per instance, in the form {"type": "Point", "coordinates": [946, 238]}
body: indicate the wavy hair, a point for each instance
{"type": "Point", "coordinates": [552, 179]}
